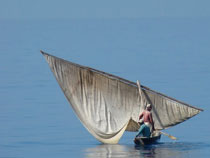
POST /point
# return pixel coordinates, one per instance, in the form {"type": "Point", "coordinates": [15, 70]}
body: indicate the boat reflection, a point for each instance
{"type": "Point", "coordinates": [166, 150]}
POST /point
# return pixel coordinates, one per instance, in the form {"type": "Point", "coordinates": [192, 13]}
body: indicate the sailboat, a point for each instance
{"type": "Point", "coordinates": [108, 105]}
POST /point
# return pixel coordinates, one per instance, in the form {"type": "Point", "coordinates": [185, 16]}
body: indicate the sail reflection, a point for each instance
{"type": "Point", "coordinates": [116, 150]}
{"type": "Point", "coordinates": [166, 150]}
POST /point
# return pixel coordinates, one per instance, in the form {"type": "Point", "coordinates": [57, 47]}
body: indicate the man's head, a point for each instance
{"type": "Point", "coordinates": [149, 107]}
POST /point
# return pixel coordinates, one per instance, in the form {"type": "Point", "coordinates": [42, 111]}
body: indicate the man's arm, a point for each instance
{"type": "Point", "coordinates": [142, 114]}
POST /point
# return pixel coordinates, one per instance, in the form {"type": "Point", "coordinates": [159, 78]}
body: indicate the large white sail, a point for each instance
{"type": "Point", "coordinates": [108, 105]}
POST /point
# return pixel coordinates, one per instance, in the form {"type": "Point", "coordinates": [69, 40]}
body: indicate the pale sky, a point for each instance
{"type": "Point", "coordinates": [48, 9]}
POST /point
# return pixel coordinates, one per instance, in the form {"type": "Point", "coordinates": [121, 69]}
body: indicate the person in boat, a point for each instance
{"type": "Point", "coordinates": [147, 126]}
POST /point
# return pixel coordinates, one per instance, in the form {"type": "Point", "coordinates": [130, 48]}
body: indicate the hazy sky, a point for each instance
{"type": "Point", "coordinates": [37, 9]}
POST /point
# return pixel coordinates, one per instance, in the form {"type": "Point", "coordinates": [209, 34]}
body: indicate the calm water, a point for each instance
{"type": "Point", "coordinates": [168, 55]}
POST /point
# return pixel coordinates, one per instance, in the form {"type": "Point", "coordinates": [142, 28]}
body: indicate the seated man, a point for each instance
{"type": "Point", "coordinates": [148, 126]}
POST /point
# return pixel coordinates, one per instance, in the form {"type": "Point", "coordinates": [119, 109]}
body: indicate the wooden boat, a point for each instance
{"type": "Point", "coordinates": [148, 141]}
{"type": "Point", "coordinates": [108, 105]}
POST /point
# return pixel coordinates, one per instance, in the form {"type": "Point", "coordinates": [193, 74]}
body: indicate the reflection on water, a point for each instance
{"type": "Point", "coordinates": [166, 150]}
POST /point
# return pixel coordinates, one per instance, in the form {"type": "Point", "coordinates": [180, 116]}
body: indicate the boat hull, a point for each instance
{"type": "Point", "coordinates": [147, 141]}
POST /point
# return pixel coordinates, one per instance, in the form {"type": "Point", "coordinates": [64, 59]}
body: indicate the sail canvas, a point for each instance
{"type": "Point", "coordinates": [108, 105]}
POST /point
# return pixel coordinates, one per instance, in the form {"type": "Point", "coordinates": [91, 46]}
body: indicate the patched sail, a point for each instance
{"type": "Point", "coordinates": [108, 105]}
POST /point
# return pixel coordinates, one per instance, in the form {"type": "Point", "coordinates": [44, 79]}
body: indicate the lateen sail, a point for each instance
{"type": "Point", "coordinates": [108, 105]}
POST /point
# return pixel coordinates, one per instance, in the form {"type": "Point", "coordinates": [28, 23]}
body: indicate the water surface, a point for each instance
{"type": "Point", "coordinates": [168, 55]}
